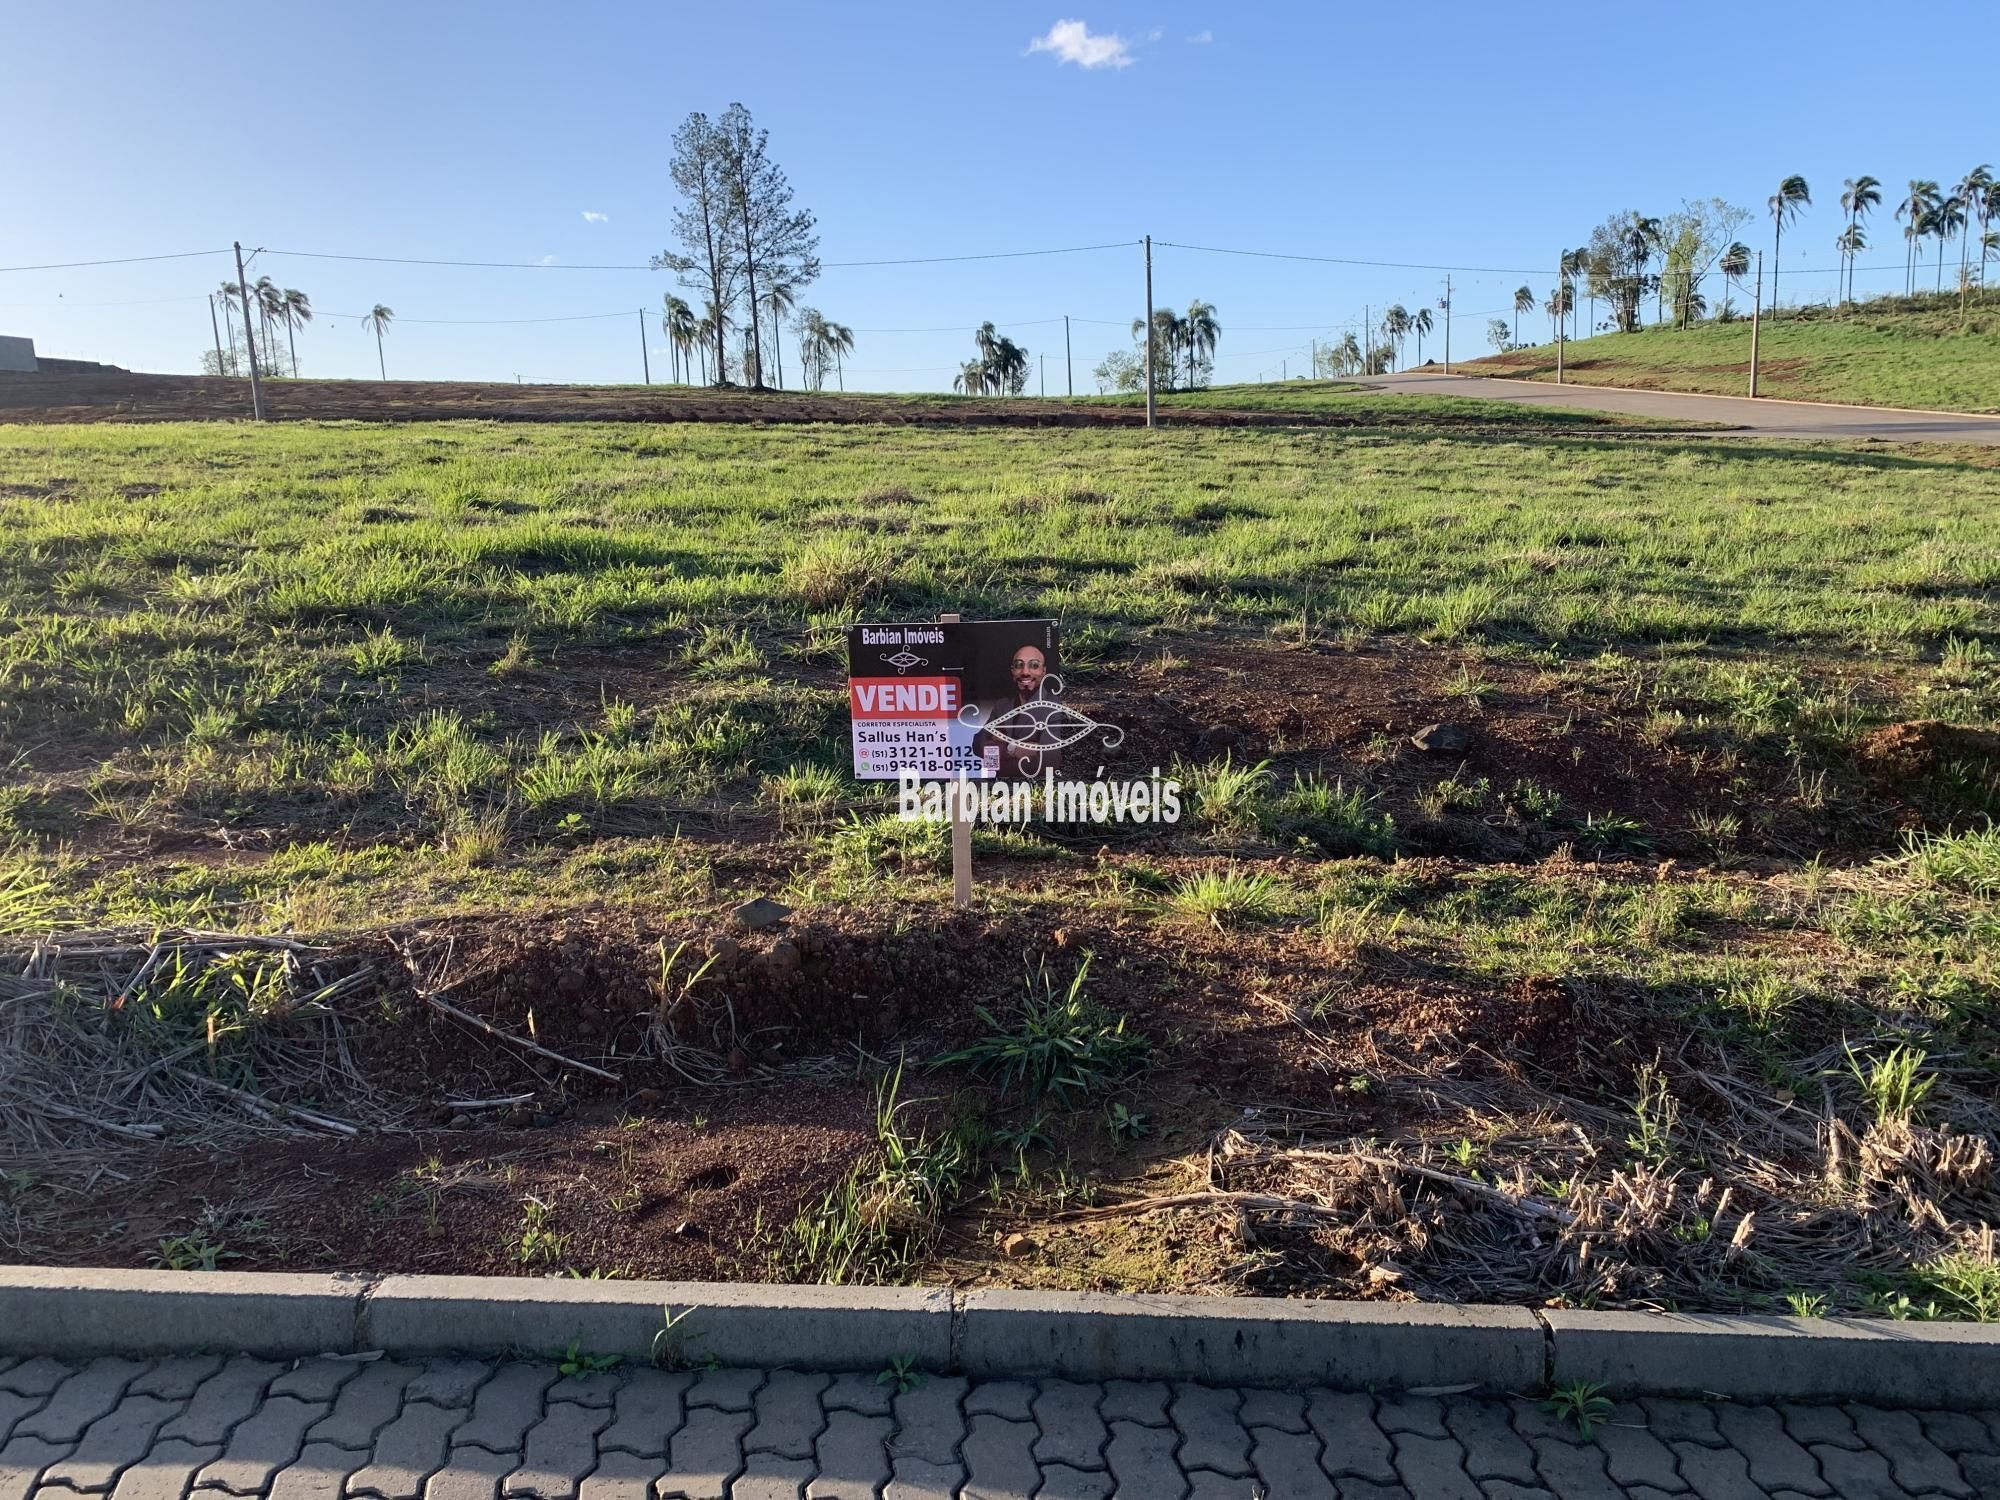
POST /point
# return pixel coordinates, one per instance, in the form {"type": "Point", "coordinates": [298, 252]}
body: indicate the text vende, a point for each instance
{"type": "Point", "coordinates": [904, 697]}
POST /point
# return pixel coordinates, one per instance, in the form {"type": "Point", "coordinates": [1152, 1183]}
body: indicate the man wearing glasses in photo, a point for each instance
{"type": "Point", "coordinates": [1010, 737]}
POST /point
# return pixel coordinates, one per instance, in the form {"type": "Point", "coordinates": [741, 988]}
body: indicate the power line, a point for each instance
{"type": "Point", "coordinates": [623, 312]}
{"type": "Point", "coordinates": [143, 302]}
{"type": "Point", "coordinates": [532, 265]}
{"type": "Point", "coordinates": [125, 260]}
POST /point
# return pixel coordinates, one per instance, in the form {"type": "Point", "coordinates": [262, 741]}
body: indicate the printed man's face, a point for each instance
{"type": "Point", "coordinates": [1028, 668]}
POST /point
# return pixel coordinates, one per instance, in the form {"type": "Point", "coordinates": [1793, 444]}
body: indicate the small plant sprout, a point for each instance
{"type": "Point", "coordinates": [1062, 1040]}
{"type": "Point", "coordinates": [1226, 898]}
{"type": "Point", "coordinates": [666, 1343]}
{"type": "Point", "coordinates": [1582, 1404]}
{"type": "Point", "coordinates": [903, 1374]}
{"type": "Point", "coordinates": [574, 1362]}
{"type": "Point", "coordinates": [1807, 1304]}
{"type": "Point", "coordinates": [1126, 1124]}
{"type": "Point", "coordinates": [537, 1241]}
{"type": "Point", "coordinates": [192, 1252]}
{"type": "Point", "coordinates": [1895, 1084]}
{"type": "Point", "coordinates": [1655, 1112]}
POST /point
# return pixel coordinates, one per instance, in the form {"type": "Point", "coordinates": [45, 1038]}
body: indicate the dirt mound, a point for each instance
{"type": "Point", "coordinates": [1352, 714]}
{"type": "Point", "coordinates": [1899, 754]}
{"type": "Point", "coordinates": [595, 985]}
{"type": "Point", "coordinates": [117, 397]}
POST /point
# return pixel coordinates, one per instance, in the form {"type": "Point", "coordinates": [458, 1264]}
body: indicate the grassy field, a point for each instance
{"type": "Point", "coordinates": [1895, 352]}
{"type": "Point", "coordinates": [517, 713]}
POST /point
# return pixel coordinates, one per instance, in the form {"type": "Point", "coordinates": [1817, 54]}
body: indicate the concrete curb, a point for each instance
{"type": "Point", "coordinates": [63, 1311]}
{"type": "Point", "coordinates": [804, 1327]}
{"type": "Point", "coordinates": [1084, 1336]}
{"type": "Point", "coordinates": [1249, 1340]}
{"type": "Point", "coordinates": [1777, 1358]}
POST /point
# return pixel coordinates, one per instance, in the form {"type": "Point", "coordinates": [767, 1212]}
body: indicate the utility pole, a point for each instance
{"type": "Point", "coordinates": [1045, 373]}
{"type": "Point", "coordinates": [249, 339]}
{"type": "Point", "coordinates": [1447, 325]}
{"type": "Point", "coordinates": [1560, 285]}
{"type": "Point", "coordinates": [1367, 339]}
{"type": "Point", "coordinates": [1067, 365]}
{"type": "Point", "coordinates": [1151, 419]}
{"type": "Point", "coordinates": [216, 329]}
{"type": "Point", "coordinates": [645, 357]}
{"type": "Point", "coordinates": [1315, 373]}
{"type": "Point", "coordinates": [1754, 306]}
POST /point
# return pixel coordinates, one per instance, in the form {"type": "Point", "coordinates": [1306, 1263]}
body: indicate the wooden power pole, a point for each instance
{"type": "Point", "coordinates": [249, 339]}
{"type": "Point", "coordinates": [1151, 419]}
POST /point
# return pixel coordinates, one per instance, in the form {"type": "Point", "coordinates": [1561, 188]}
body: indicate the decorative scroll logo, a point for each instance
{"type": "Point", "coordinates": [1040, 725]}
{"type": "Point", "coordinates": [903, 660]}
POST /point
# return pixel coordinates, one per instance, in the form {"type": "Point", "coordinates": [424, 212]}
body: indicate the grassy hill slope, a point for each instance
{"type": "Point", "coordinates": [1910, 352]}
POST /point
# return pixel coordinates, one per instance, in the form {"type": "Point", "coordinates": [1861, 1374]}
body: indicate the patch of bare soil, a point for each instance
{"type": "Point", "coordinates": [117, 396]}
{"type": "Point", "coordinates": [1354, 715]}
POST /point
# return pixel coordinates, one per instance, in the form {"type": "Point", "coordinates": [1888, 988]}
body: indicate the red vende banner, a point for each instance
{"type": "Point", "coordinates": [904, 697]}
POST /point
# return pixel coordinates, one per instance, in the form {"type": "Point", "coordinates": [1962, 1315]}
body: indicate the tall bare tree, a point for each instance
{"type": "Point", "coordinates": [775, 241]}
{"type": "Point", "coordinates": [707, 261]}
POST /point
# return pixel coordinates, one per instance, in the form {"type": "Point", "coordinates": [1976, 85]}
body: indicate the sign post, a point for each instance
{"type": "Point", "coordinates": [961, 832]}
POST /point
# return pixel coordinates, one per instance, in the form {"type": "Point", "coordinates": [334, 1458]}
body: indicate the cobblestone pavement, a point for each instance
{"type": "Point", "coordinates": [469, 1430]}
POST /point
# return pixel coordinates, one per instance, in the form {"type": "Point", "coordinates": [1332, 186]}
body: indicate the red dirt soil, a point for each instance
{"type": "Point", "coordinates": [124, 397]}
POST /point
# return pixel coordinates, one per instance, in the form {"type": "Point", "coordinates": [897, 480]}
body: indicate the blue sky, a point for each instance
{"type": "Point", "coordinates": [1472, 135]}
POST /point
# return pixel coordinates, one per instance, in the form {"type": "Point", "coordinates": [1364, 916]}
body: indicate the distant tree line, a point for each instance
{"type": "Point", "coordinates": [273, 310]}
{"type": "Point", "coordinates": [1184, 346]}
{"type": "Point", "coordinates": [1671, 261]}
{"type": "Point", "coordinates": [1000, 370]}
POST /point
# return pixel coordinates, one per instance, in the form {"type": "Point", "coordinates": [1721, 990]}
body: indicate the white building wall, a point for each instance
{"type": "Point", "coordinates": [17, 355]}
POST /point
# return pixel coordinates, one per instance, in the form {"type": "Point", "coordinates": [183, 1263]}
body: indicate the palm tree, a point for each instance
{"type": "Point", "coordinates": [1349, 353]}
{"type": "Point", "coordinates": [1642, 241]}
{"type": "Point", "coordinates": [264, 297]}
{"type": "Point", "coordinates": [1396, 325]}
{"type": "Point", "coordinates": [378, 320]}
{"type": "Point", "coordinates": [1421, 324]}
{"type": "Point", "coordinates": [1989, 249]}
{"type": "Point", "coordinates": [971, 378]}
{"type": "Point", "coordinates": [839, 341]}
{"type": "Point", "coordinates": [682, 328]}
{"type": "Point", "coordinates": [1524, 301]}
{"type": "Point", "coordinates": [1735, 265]}
{"type": "Point", "coordinates": [1791, 196]}
{"type": "Point", "coordinates": [1947, 219]}
{"type": "Point", "coordinates": [295, 307]}
{"type": "Point", "coordinates": [1559, 306]}
{"type": "Point", "coordinates": [1201, 333]}
{"type": "Point", "coordinates": [1852, 241]}
{"type": "Point", "coordinates": [1858, 195]}
{"type": "Point", "coordinates": [1915, 208]}
{"type": "Point", "coordinates": [779, 299]}
{"type": "Point", "coordinates": [270, 308]}
{"type": "Point", "coordinates": [1574, 264]}
{"type": "Point", "coordinates": [1971, 196]}
{"type": "Point", "coordinates": [229, 292]}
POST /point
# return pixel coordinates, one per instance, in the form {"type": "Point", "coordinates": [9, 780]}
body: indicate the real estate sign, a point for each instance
{"type": "Point", "coordinates": [944, 700]}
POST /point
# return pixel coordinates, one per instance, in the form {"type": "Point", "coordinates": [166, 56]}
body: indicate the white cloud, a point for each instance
{"type": "Point", "coordinates": [1074, 42]}
{"type": "Point", "coordinates": [1156, 33]}
{"type": "Point", "coordinates": [1201, 39]}
{"type": "Point", "coordinates": [592, 216]}
{"type": "Point", "coordinates": [546, 260]}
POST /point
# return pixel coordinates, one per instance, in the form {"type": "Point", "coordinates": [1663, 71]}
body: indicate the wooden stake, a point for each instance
{"type": "Point", "coordinates": [961, 830]}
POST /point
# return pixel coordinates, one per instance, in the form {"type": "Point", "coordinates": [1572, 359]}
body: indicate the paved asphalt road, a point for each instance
{"type": "Point", "coordinates": [1788, 419]}
{"type": "Point", "coordinates": [204, 1428]}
